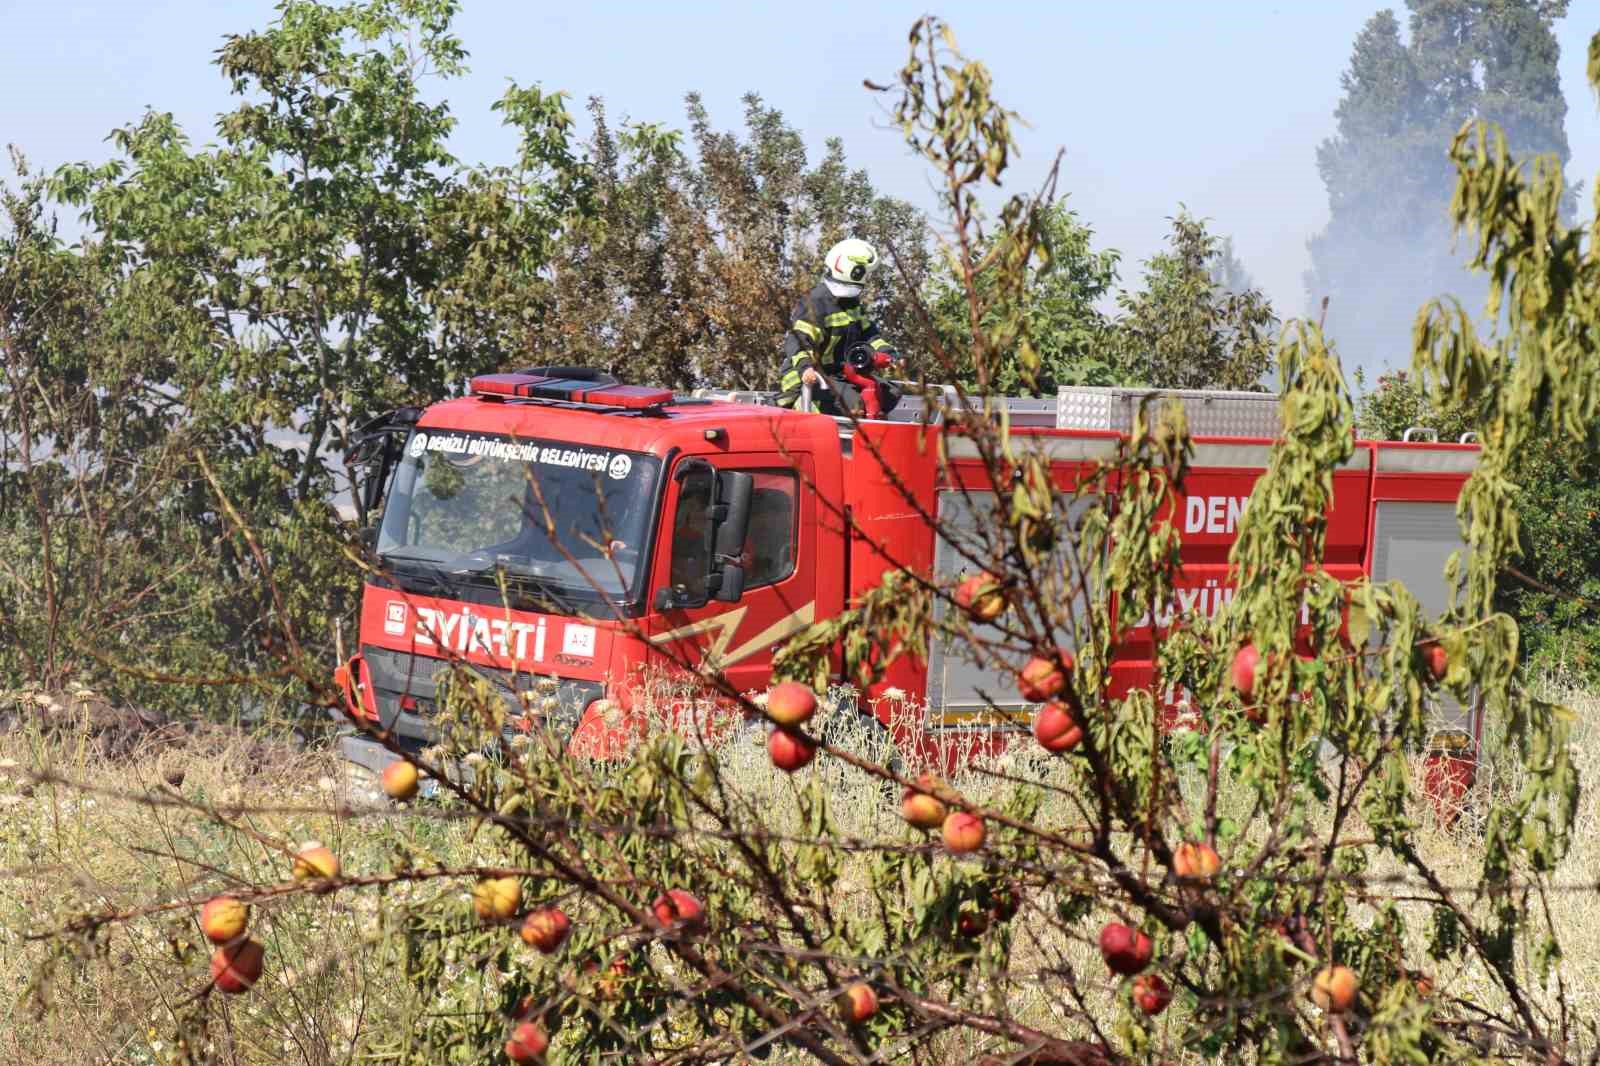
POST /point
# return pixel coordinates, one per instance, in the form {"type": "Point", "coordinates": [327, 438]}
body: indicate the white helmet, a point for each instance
{"type": "Point", "coordinates": [848, 265]}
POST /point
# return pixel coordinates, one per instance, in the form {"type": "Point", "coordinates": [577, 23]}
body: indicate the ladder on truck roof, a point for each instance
{"type": "Point", "coordinates": [1211, 413]}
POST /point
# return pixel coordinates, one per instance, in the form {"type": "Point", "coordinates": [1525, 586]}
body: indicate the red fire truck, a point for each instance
{"type": "Point", "coordinates": [558, 532]}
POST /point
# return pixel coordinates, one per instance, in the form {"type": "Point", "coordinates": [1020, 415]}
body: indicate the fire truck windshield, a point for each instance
{"type": "Point", "coordinates": [471, 507]}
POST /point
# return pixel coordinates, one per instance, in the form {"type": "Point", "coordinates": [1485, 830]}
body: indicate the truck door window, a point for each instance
{"type": "Point", "coordinates": [772, 544]}
{"type": "Point", "coordinates": [691, 535]}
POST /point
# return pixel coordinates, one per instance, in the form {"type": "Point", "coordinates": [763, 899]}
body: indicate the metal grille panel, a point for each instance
{"type": "Point", "coordinates": [397, 673]}
{"type": "Point", "coordinates": [401, 671]}
{"type": "Point", "coordinates": [1089, 408]}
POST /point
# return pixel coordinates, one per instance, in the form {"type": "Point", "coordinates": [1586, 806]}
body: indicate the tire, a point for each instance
{"type": "Point", "coordinates": [861, 732]}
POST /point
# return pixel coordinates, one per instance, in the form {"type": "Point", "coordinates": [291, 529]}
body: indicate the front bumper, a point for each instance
{"type": "Point", "coordinates": [365, 752]}
{"type": "Point", "coordinates": [405, 690]}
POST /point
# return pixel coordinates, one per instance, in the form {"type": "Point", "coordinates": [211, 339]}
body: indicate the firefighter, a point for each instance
{"type": "Point", "coordinates": [828, 324]}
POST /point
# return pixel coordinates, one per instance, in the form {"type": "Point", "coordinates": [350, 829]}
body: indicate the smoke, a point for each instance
{"type": "Point", "coordinates": [1376, 292]}
{"type": "Point", "coordinates": [1389, 246]}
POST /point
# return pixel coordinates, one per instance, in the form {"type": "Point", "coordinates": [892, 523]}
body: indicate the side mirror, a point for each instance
{"type": "Point", "coordinates": [731, 518]}
{"type": "Point", "coordinates": [694, 529]}
{"type": "Point", "coordinates": [372, 488]}
{"type": "Point", "coordinates": [376, 449]}
{"type": "Point", "coordinates": [730, 583]}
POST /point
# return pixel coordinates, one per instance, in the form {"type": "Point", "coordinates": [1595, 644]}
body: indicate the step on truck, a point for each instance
{"type": "Point", "coordinates": [563, 535]}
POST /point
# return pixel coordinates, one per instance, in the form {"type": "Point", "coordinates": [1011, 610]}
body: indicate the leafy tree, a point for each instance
{"type": "Point", "coordinates": [1552, 587]}
{"type": "Point", "coordinates": [1387, 244]}
{"type": "Point", "coordinates": [1397, 403]}
{"type": "Point", "coordinates": [1185, 329]}
{"type": "Point", "coordinates": [1070, 332]}
{"type": "Point", "coordinates": [627, 292]}
{"type": "Point", "coordinates": [105, 561]}
{"type": "Point", "coordinates": [701, 244]}
{"type": "Point", "coordinates": [326, 260]}
{"type": "Point", "coordinates": [331, 235]}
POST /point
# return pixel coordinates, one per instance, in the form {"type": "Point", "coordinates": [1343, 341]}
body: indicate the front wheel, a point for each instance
{"type": "Point", "coordinates": [860, 732]}
{"type": "Point", "coordinates": [853, 729]}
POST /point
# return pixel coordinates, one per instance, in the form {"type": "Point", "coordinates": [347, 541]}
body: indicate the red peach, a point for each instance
{"type": "Point", "coordinates": [963, 832]}
{"type": "Point", "coordinates": [789, 750]}
{"type": "Point", "coordinates": [1043, 678]}
{"type": "Point", "coordinates": [235, 967]}
{"type": "Point", "coordinates": [1151, 993]}
{"type": "Point", "coordinates": [527, 1043]}
{"type": "Point", "coordinates": [677, 907]}
{"type": "Point", "coordinates": [1197, 861]}
{"type": "Point", "coordinates": [400, 779]}
{"type": "Point", "coordinates": [545, 929]}
{"type": "Point", "coordinates": [921, 809]}
{"type": "Point", "coordinates": [314, 860]}
{"type": "Point", "coordinates": [1436, 660]}
{"type": "Point", "coordinates": [1334, 989]}
{"type": "Point", "coordinates": [857, 1002]}
{"type": "Point", "coordinates": [790, 703]}
{"type": "Point", "coordinates": [982, 597]}
{"type": "Point", "coordinates": [1125, 950]}
{"type": "Point", "coordinates": [223, 918]}
{"type": "Point", "coordinates": [495, 899]}
{"type": "Point", "coordinates": [1245, 661]}
{"type": "Point", "coordinates": [1056, 728]}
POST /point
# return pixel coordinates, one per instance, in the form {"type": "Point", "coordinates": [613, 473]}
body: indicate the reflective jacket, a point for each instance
{"type": "Point", "coordinates": [825, 328]}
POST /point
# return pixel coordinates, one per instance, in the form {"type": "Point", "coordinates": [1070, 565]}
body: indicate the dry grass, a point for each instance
{"type": "Point", "coordinates": [332, 995]}
{"type": "Point", "coordinates": [67, 849]}
{"type": "Point", "coordinates": [1454, 853]}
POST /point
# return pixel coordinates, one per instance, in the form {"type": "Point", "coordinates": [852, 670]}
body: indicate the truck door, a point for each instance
{"type": "Point", "coordinates": [1414, 533]}
{"type": "Point", "coordinates": [736, 640]}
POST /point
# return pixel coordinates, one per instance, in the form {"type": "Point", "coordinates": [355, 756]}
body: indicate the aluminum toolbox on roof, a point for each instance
{"type": "Point", "coordinates": [1210, 414]}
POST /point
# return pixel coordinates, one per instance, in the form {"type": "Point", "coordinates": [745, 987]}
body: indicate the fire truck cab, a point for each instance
{"type": "Point", "coordinates": [565, 536]}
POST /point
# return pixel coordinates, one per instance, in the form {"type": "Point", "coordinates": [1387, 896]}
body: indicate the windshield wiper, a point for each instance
{"type": "Point", "coordinates": [437, 582]}
{"type": "Point", "coordinates": [525, 589]}
{"type": "Point", "coordinates": [540, 589]}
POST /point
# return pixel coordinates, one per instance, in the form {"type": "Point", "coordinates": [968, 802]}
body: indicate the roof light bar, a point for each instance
{"type": "Point", "coordinates": [534, 387]}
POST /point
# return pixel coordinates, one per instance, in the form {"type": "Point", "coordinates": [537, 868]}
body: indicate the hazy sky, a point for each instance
{"type": "Point", "coordinates": [1156, 103]}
